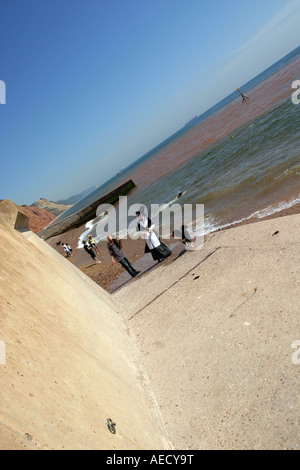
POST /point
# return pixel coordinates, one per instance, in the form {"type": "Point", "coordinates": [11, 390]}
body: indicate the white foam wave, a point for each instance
{"type": "Point", "coordinates": [212, 224]}
{"type": "Point", "coordinates": [272, 209]}
{"type": "Point", "coordinates": [196, 228]}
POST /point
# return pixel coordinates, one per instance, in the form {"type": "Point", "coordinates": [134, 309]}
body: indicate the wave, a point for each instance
{"type": "Point", "coordinates": [274, 208]}
{"type": "Point", "coordinates": [212, 224]}
{"type": "Point", "coordinates": [294, 171]}
{"type": "Point", "coordinates": [197, 228]}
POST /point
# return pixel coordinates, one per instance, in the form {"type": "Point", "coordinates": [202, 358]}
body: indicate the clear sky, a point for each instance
{"type": "Point", "coordinates": [92, 85]}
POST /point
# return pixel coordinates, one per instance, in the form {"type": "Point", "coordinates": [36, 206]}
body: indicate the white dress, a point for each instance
{"type": "Point", "coordinates": [158, 249]}
{"type": "Point", "coordinates": [151, 238]}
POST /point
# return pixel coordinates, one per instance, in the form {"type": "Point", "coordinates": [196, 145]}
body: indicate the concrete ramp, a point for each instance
{"type": "Point", "coordinates": [70, 362]}
{"type": "Point", "coordinates": [218, 330]}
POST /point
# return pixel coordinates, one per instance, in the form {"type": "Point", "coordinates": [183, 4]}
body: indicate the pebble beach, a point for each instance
{"type": "Point", "coordinates": [112, 276]}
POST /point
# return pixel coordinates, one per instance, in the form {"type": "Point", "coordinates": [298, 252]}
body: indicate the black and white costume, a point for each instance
{"type": "Point", "coordinates": [158, 249]}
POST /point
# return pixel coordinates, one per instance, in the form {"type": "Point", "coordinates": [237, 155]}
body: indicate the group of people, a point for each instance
{"type": "Point", "coordinates": [66, 247]}
{"type": "Point", "coordinates": [153, 245]}
{"type": "Point", "coordinates": [91, 247]}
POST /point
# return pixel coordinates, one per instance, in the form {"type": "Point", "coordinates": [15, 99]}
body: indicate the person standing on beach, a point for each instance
{"type": "Point", "coordinates": [67, 249]}
{"type": "Point", "coordinates": [90, 251]}
{"type": "Point", "coordinates": [158, 249]}
{"type": "Point", "coordinates": [184, 235]}
{"type": "Point", "coordinates": [93, 244]}
{"type": "Point", "coordinates": [114, 246]}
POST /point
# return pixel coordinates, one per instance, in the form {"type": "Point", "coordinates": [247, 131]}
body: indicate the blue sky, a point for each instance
{"type": "Point", "coordinates": [93, 85]}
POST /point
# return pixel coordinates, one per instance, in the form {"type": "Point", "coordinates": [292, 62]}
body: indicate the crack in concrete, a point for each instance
{"type": "Point", "coordinates": [177, 280]}
{"type": "Point", "coordinates": [253, 293]}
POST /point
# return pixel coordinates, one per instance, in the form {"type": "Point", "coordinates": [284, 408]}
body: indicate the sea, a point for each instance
{"type": "Point", "coordinates": [239, 159]}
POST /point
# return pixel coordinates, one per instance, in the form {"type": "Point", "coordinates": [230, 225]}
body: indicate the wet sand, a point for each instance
{"type": "Point", "coordinates": [112, 277]}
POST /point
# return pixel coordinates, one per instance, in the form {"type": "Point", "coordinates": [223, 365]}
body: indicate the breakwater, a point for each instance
{"type": "Point", "coordinates": [87, 213]}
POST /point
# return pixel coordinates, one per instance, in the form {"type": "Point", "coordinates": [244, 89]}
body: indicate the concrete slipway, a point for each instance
{"type": "Point", "coordinates": [216, 329]}
{"type": "Point", "coordinates": [193, 355]}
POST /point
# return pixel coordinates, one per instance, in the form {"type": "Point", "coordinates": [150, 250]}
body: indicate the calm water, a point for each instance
{"type": "Point", "coordinates": [239, 159]}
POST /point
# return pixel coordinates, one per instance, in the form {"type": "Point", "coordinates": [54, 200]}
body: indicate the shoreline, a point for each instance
{"type": "Point", "coordinates": [112, 276]}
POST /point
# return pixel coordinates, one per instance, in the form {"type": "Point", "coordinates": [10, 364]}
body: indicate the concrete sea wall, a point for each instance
{"type": "Point", "coordinates": [70, 361]}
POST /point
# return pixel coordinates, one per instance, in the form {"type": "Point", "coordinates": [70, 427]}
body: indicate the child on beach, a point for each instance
{"type": "Point", "coordinates": [67, 249]}
{"type": "Point", "coordinates": [93, 244]}
{"type": "Point", "coordinates": [90, 251]}
{"type": "Point", "coordinates": [114, 246]}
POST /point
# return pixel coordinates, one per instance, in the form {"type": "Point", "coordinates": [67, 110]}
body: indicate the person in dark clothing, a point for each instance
{"type": "Point", "coordinates": [184, 235]}
{"type": "Point", "coordinates": [245, 98]}
{"type": "Point", "coordinates": [114, 246]}
{"type": "Point", "coordinates": [90, 251]}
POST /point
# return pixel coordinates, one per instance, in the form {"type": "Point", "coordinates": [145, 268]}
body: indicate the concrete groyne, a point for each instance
{"type": "Point", "coordinates": [87, 213]}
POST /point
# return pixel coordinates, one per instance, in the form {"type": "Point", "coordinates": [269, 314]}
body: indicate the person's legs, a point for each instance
{"type": "Point", "coordinates": [127, 265]}
{"type": "Point", "coordinates": [97, 249]}
{"type": "Point", "coordinates": [95, 259]}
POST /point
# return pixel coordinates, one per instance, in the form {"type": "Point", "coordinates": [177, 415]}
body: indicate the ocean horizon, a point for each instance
{"type": "Point", "coordinates": [238, 159]}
